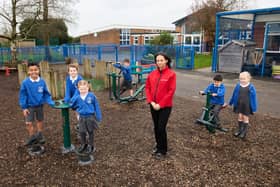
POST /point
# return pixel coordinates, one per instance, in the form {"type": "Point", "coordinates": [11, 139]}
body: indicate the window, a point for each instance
{"type": "Point", "coordinates": [125, 37]}
{"type": "Point", "coordinates": [273, 38]}
{"type": "Point", "coordinates": [188, 40]}
{"type": "Point", "coordinates": [184, 29]}
{"type": "Point", "coordinates": [196, 40]}
{"type": "Point", "coordinates": [135, 40]}
{"type": "Point", "coordinates": [147, 40]}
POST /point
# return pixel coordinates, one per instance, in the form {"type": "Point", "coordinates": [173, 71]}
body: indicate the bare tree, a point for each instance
{"type": "Point", "coordinates": [13, 12]}
{"type": "Point", "coordinates": [61, 9]}
{"type": "Point", "coordinates": [205, 15]}
{"type": "Point", "coordinates": [11, 15]}
{"type": "Point", "coordinates": [54, 9]}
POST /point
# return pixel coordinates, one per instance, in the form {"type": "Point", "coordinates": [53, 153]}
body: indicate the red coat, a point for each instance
{"type": "Point", "coordinates": [160, 87]}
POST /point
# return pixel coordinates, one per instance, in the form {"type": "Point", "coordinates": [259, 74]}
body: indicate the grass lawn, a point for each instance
{"type": "Point", "coordinates": [202, 61]}
{"type": "Point", "coordinates": [96, 85]}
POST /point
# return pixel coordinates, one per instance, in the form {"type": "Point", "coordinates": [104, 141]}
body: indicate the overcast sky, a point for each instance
{"type": "Point", "coordinates": [93, 14]}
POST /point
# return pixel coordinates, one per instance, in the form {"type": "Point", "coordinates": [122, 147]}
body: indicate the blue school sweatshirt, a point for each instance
{"type": "Point", "coordinates": [252, 95]}
{"type": "Point", "coordinates": [88, 106]}
{"type": "Point", "coordinates": [220, 91]}
{"type": "Point", "coordinates": [34, 93]}
{"type": "Point", "coordinates": [71, 88]}
{"type": "Point", "coordinates": [126, 71]}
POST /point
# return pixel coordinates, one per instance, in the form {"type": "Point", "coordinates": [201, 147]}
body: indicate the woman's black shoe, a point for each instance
{"type": "Point", "coordinates": [160, 155]}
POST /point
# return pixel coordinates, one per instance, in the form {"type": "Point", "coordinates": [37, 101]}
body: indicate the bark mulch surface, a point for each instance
{"type": "Point", "coordinates": [124, 143]}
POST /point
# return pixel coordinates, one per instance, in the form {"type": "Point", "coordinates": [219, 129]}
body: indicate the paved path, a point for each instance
{"type": "Point", "coordinates": [189, 83]}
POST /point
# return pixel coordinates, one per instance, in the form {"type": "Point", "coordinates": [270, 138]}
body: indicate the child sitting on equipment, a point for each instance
{"type": "Point", "coordinates": [244, 101]}
{"type": "Point", "coordinates": [32, 95]}
{"type": "Point", "coordinates": [126, 71]}
{"type": "Point", "coordinates": [71, 86]}
{"type": "Point", "coordinates": [87, 106]}
{"type": "Point", "coordinates": [217, 91]}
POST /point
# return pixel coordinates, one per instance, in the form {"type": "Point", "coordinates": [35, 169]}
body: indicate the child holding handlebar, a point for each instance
{"type": "Point", "coordinates": [217, 90]}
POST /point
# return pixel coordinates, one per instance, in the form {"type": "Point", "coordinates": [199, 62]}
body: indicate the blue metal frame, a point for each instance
{"type": "Point", "coordinates": [264, 47]}
{"type": "Point", "coordinates": [255, 12]}
{"type": "Point", "coordinates": [253, 27]}
{"type": "Point", "coordinates": [57, 54]}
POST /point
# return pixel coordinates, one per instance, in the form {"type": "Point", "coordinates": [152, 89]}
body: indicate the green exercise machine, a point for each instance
{"type": "Point", "coordinates": [83, 158]}
{"type": "Point", "coordinates": [115, 90]}
{"type": "Point", "coordinates": [207, 117]}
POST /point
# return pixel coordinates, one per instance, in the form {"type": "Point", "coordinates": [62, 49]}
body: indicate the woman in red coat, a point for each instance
{"type": "Point", "coordinates": [160, 89]}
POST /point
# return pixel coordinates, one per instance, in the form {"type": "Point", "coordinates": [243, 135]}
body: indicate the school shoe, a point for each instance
{"type": "Point", "coordinates": [82, 148]}
{"type": "Point", "coordinates": [32, 139]}
{"type": "Point", "coordinates": [40, 138]}
{"type": "Point", "coordinates": [91, 149]}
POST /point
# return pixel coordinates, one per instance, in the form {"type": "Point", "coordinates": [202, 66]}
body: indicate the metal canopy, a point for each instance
{"type": "Point", "coordinates": [267, 15]}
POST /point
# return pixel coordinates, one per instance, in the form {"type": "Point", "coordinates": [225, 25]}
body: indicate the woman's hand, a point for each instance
{"type": "Point", "coordinates": [155, 106]}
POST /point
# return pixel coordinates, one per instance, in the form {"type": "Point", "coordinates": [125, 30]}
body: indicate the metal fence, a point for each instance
{"type": "Point", "coordinates": [182, 55]}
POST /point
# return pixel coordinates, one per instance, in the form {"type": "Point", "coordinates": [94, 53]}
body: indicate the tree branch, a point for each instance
{"type": "Point", "coordinates": [5, 37]}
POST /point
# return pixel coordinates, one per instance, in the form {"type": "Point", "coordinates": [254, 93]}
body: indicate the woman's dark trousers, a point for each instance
{"type": "Point", "coordinates": [160, 119]}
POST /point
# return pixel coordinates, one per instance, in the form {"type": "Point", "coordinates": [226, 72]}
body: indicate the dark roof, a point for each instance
{"type": "Point", "coordinates": [242, 43]}
{"type": "Point", "coordinates": [179, 21]}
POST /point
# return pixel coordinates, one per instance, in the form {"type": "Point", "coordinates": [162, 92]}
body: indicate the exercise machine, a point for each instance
{"type": "Point", "coordinates": [207, 117]}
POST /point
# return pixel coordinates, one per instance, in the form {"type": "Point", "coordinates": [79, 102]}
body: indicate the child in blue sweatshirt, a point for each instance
{"type": "Point", "coordinates": [87, 106]}
{"type": "Point", "coordinates": [71, 86]}
{"type": "Point", "coordinates": [217, 101]}
{"type": "Point", "coordinates": [244, 101]}
{"type": "Point", "coordinates": [32, 95]}
{"type": "Point", "coordinates": [126, 71]}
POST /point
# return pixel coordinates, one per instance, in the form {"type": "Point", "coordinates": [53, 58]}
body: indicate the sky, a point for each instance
{"type": "Point", "coordinates": [94, 14]}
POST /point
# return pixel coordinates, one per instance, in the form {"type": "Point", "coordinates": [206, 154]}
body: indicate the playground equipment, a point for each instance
{"type": "Point", "coordinates": [67, 146]}
{"type": "Point", "coordinates": [7, 71]}
{"type": "Point", "coordinates": [83, 158]}
{"type": "Point", "coordinates": [207, 117]}
{"type": "Point", "coordinates": [35, 146]}
{"type": "Point", "coordinates": [115, 89]}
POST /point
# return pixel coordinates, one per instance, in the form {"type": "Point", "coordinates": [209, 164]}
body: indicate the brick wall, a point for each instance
{"type": "Point", "coordinates": [105, 37]}
{"type": "Point", "coordinates": [259, 34]}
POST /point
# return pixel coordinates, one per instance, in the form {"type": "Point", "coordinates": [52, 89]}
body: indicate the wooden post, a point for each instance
{"type": "Point", "coordinates": [53, 85]}
{"type": "Point", "coordinates": [87, 68]}
{"type": "Point", "coordinates": [22, 72]}
{"type": "Point", "coordinates": [45, 73]}
{"type": "Point", "coordinates": [61, 77]}
{"type": "Point", "coordinates": [101, 71]}
{"type": "Point", "coordinates": [74, 60]}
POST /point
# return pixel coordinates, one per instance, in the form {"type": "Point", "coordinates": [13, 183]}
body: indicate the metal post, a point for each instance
{"type": "Point", "coordinates": [206, 116]}
{"type": "Point", "coordinates": [66, 128]}
{"type": "Point", "coordinates": [114, 85]}
{"type": "Point", "coordinates": [117, 53]}
{"type": "Point", "coordinates": [67, 146]}
{"type": "Point", "coordinates": [264, 47]}
{"type": "Point", "coordinates": [214, 62]}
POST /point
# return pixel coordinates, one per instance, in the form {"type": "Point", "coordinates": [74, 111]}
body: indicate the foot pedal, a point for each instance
{"type": "Point", "coordinates": [84, 158]}
{"type": "Point", "coordinates": [36, 150]}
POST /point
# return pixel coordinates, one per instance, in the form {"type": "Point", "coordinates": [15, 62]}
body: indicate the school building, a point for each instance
{"type": "Point", "coordinates": [191, 33]}
{"type": "Point", "coordinates": [125, 35]}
